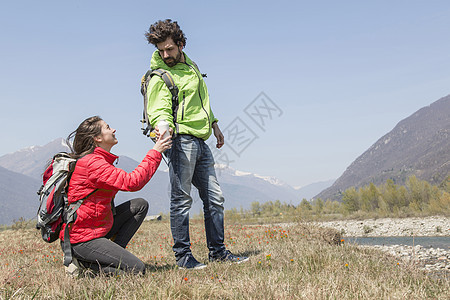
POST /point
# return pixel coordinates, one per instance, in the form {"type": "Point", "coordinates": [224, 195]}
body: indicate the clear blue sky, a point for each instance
{"type": "Point", "coordinates": [341, 73]}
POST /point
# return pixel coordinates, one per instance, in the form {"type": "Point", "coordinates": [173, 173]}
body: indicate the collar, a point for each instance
{"type": "Point", "coordinates": [109, 157]}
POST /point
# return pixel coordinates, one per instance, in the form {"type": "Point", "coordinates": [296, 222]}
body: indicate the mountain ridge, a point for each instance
{"type": "Point", "coordinates": [418, 145]}
{"type": "Point", "coordinates": [21, 189]}
{"type": "Point", "coordinates": [239, 188]}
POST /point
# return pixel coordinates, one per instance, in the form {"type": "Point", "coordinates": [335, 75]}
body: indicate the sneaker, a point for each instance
{"type": "Point", "coordinates": [227, 256]}
{"type": "Point", "coordinates": [189, 262]}
{"type": "Point", "coordinates": [74, 269]}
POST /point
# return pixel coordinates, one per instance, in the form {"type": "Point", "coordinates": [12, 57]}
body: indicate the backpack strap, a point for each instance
{"type": "Point", "coordinates": [70, 217]}
{"type": "Point", "coordinates": [204, 75]}
{"type": "Point", "coordinates": [168, 80]}
{"type": "Point", "coordinates": [145, 121]}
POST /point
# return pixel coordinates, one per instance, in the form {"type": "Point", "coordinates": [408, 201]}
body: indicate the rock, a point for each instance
{"type": "Point", "coordinates": [153, 218]}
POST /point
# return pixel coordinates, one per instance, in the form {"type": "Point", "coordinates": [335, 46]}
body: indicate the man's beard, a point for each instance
{"type": "Point", "coordinates": [172, 61]}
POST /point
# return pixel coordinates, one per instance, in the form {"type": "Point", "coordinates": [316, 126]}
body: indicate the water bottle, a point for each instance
{"type": "Point", "coordinates": [163, 125]}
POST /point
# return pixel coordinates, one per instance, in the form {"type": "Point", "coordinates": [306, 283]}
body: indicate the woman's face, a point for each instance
{"type": "Point", "coordinates": [107, 138]}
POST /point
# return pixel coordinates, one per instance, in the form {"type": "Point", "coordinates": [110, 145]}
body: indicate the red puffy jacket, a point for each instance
{"type": "Point", "coordinates": [96, 171]}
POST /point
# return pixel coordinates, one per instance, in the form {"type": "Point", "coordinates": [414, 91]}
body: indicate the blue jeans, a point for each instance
{"type": "Point", "coordinates": [191, 162]}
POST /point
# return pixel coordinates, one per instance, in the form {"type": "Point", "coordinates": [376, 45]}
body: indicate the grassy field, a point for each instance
{"type": "Point", "coordinates": [286, 262]}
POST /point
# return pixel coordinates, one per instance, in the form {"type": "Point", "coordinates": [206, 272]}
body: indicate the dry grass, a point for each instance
{"type": "Point", "coordinates": [289, 262]}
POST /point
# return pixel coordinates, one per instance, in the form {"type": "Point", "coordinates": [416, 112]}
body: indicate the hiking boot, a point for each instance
{"type": "Point", "coordinates": [189, 262]}
{"type": "Point", "coordinates": [227, 256]}
{"type": "Point", "coordinates": [74, 269]}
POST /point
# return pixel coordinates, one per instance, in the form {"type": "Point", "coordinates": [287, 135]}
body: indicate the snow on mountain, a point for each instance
{"type": "Point", "coordinates": [272, 180]}
{"type": "Point", "coordinates": [240, 173]}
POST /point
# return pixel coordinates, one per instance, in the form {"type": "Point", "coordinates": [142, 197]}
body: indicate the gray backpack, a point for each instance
{"type": "Point", "coordinates": [147, 128]}
{"type": "Point", "coordinates": [54, 209]}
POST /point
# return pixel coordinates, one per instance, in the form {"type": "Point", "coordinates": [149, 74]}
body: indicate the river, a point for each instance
{"type": "Point", "coordinates": [442, 242]}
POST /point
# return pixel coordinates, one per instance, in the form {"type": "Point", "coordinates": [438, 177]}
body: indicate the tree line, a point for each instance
{"type": "Point", "coordinates": [415, 198]}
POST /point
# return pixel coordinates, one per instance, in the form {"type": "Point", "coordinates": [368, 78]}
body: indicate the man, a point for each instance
{"type": "Point", "coordinates": [190, 159]}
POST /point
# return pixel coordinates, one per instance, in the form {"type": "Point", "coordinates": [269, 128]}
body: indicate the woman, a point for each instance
{"type": "Point", "coordinates": [101, 231]}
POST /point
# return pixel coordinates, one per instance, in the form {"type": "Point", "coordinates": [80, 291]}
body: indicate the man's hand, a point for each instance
{"type": "Point", "coordinates": [218, 134]}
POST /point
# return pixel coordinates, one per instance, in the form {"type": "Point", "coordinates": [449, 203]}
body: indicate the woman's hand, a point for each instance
{"type": "Point", "coordinates": [162, 145]}
{"type": "Point", "coordinates": [156, 131]}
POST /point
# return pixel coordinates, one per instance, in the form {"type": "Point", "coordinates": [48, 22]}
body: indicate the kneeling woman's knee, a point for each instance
{"type": "Point", "coordinates": [140, 205]}
{"type": "Point", "coordinates": [131, 264]}
{"type": "Point", "coordinates": [139, 269]}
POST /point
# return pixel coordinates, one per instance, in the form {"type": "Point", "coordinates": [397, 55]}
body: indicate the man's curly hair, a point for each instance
{"type": "Point", "coordinates": [162, 30]}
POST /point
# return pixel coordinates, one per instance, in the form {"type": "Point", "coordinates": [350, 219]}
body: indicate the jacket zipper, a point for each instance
{"type": "Point", "coordinates": [182, 107]}
{"type": "Point", "coordinates": [200, 95]}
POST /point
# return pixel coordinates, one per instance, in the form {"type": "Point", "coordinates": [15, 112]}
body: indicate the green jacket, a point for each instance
{"type": "Point", "coordinates": [194, 114]}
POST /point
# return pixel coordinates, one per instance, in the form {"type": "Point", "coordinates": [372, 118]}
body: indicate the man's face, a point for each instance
{"type": "Point", "coordinates": [170, 52]}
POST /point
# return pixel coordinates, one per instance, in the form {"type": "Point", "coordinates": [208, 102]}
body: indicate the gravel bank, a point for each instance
{"type": "Point", "coordinates": [433, 260]}
{"type": "Point", "coordinates": [429, 226]}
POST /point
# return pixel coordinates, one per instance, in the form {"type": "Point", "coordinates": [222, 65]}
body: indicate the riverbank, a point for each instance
{"type": "Point", "coordinates": [435, 261]}
{"type": "Point", "coordinates": [429, 226]}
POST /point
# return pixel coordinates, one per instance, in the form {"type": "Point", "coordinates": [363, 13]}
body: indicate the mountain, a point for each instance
{"type": "Point", "coordinates": [26, 166]}
{"type": "Point", "coordinates": [18, 196]}
{"type": "Point", "coordinates": [31, 161]}
{"type": "Point", "coordinates": [418, 145]}
{"type": "Point", "coordinates": [310, 190]}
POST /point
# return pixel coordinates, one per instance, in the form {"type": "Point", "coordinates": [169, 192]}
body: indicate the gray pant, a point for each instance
{"type": "Point", "coordinates": [110, 257]}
